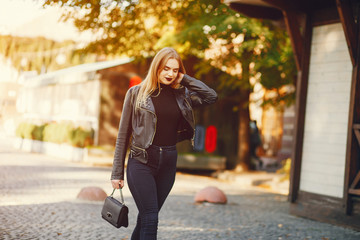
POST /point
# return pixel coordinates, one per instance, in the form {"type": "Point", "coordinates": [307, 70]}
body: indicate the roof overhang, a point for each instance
{"type": "Point", "coordinates": [274, 9]}
{"type": "Point", "coordinates": [255, 9]}
{"type": "Point", "coordinates": [76, 74]}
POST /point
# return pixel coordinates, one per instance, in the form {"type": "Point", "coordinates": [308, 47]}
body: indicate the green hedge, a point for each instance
{"type": "Point", "coordinates": [58, 132]}
{"type": "Point", "coordinates": [64, 132]}
{"type": "Point", "coordinates": [30, 131]}
{"type": "Point", "coordinates": [81, 137]}
{"type": "Point", "coordinates": [24, 130]}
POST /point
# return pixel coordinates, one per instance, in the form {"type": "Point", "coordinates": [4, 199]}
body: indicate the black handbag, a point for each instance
{"type": "Point", "coordinates": [115, 212]}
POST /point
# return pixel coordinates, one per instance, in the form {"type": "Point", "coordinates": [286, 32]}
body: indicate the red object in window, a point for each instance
{"type": "Point", "coordinates": [135, 80]}
{"type": "Point", "coordinates": [210, 139]}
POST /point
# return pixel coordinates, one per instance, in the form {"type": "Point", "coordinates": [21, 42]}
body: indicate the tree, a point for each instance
{"type": "Point", "coordinates": [236, 45]}
{"type": "Point", "coordinates": [239, 48]}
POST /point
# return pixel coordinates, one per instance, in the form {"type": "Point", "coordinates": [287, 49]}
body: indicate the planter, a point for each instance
{"type": "Point", "coordinates": [63, 151]}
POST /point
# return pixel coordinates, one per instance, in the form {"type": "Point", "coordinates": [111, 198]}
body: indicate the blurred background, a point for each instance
{"type": "Point", "coordinates": [65, 67]}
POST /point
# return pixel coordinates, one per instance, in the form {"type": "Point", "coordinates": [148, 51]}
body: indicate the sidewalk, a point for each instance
{"type": "Point", "coordinates": [38, 201]}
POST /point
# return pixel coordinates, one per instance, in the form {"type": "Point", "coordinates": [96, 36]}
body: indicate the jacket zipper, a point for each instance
{"type": "Point", "coordinates": [192, 139]}
{"type": "Point", "coordinates": [142, 149]}
{"type": "Point", "coordinates": [152, 139]}
{"type": "Point", "coordinates": [138, 147]}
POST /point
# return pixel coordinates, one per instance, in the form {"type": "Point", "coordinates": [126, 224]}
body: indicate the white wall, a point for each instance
{"type": "Point", "coordinates": [79, 102]}
{"type": "Point", "coordinates": [327, 108]}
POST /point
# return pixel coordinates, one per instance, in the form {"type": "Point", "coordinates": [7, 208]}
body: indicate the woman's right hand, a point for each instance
{"type": "Point", "coordinates": [117, 183]}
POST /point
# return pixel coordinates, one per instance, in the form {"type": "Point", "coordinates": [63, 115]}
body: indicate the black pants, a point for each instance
{"type": "Point", "coordinates": [150, 184]}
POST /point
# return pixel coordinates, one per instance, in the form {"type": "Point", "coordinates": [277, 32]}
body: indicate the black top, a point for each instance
{"type": "Point", "coordinates": [168, 116]}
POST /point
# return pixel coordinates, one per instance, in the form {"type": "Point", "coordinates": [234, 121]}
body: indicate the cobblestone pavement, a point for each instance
{"type": "Point", "coordinates": [38, 201]}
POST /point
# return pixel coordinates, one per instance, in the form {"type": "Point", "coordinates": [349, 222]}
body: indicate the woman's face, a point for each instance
{"type": "Point", "coordinates": [170, 72]}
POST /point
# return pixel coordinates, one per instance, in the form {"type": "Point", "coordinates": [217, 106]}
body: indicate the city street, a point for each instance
{"type": "Point", "coordinates": [266, 93]}
{"type": "Point", "coordinates": [38, 201]}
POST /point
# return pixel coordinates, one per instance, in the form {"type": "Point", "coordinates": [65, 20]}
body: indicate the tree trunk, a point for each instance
{"type": "Point", "coordinates": [243, 156]}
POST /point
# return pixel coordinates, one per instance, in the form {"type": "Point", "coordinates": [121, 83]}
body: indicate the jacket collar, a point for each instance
{"type": "Point", "coordinates": [148, 105]}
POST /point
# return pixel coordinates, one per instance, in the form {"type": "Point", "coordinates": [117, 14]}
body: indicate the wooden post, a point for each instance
{"type": "Point", "coordinates": [300, 107]}
{"type": "Point", "coordinates": [352, 146]}
{"type": "Point", "coordinates": [293, 28]}
{"type": "Point", "coordinates": [349, 26]}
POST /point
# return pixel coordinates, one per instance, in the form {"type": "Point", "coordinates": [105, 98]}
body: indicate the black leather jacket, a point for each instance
{"type": "Point", "coordinates": [140, 123]}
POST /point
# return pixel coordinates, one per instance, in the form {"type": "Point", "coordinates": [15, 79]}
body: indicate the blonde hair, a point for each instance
{"type": "Point", "coordinates": [151, 81]}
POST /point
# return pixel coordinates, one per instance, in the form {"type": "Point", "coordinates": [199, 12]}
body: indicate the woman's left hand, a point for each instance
{"type": "Point", "coordinates": [179, 78]}
{"type": "Point", "coordinates": [177, 81]}
{"type": "Point", "coordinates": [117, 183]}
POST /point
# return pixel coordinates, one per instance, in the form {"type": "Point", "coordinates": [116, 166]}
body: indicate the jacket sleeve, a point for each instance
{"type": "Point", "coordinates": [200, 93]}
{"type": "Point", "coordinates": [122, 141]}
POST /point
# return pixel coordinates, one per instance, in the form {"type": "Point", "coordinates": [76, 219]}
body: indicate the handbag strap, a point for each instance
{"type": "Point", "coordinates": [121, 194]}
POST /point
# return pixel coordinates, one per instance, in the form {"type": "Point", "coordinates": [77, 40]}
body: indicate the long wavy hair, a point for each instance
{"type": "Point", "coordinates": [151, 81]}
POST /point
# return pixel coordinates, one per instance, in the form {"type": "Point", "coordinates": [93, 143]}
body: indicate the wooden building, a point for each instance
{"type": "Point", "coordinates": [325, 35]}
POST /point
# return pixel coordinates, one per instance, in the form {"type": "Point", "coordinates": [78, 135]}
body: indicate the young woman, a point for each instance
{"type": "Point", "coordinates": [157, 113]}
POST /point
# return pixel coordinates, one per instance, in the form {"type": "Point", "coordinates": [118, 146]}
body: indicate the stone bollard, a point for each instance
{"type": "Point", "coordinates": [92, 194]}
{"type": "Point", "coordinates": [211, 195]}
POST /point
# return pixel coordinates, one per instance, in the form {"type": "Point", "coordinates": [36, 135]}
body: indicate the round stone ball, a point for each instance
{"type": "Point", "coordinates": [211, 195]}
{"type": "Point", "coordinates": [92, 194]}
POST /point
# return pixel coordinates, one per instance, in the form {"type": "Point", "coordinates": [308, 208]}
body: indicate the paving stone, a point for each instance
{"type": "Point", "coordinates": [38, 201]}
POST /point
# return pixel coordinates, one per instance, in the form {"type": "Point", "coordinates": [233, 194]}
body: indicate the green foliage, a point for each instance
{"type": "Point", "coordinates": [24, 130]}
{"type": "Point", "coordinates": [207, 29]}
{"type": "Point", "coordinates": [63, 132]}
{"type": "Point", "coordinates": [277, 68]}
{"type": "Point", "coordinates": [30, 131]}
{"type": "Point", "coordinates": [37, 133]}
{"type": "Point", "coordinates": [81, 137]}
{"type": "Point", "coordinates": [242, 48]}
{"type": "Point", "coordinates": [58, 132]}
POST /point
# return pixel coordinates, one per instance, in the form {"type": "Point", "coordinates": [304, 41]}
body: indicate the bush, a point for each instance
{"type": "Point", "coordinates": [63, 132]}
{"type": "Point", "coordinates": [81, 137]}
{"type": "Point", "coordinates": [24, 130]}
{"type": "Point", "coordinates": [37, 133]}
{"type": "Point", "coordinates": [58, 132]}
{"type": "Point", "coordinates": [30, 131]}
